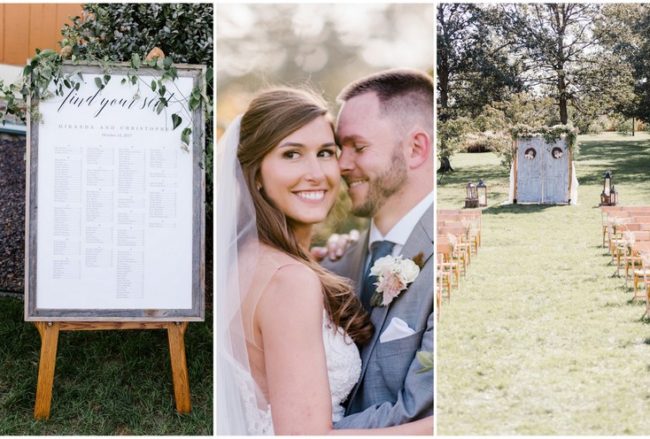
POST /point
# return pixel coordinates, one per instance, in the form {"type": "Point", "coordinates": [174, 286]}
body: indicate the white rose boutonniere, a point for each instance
{"type": "Point", "coordinates": [394, 274]}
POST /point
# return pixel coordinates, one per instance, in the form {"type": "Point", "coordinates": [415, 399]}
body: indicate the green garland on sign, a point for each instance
{"type": "Point", "coordinates": [550, 134]}
{"type": "Point", "coordinates": [45, 69]}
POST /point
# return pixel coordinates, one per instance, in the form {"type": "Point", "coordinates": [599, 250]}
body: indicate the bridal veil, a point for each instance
{"type": "Point", "coordinates": [241, 404]}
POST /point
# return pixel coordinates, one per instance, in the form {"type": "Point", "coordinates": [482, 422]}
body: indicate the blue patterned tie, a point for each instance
{"type": "Point", "coordinates": [378, 249]}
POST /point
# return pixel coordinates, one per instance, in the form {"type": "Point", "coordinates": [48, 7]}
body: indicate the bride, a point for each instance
{"type": "Point", "coordinates": [287, 329]}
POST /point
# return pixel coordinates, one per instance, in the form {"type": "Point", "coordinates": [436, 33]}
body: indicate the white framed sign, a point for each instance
{"type": "Point", "coordinates": [115, 202]}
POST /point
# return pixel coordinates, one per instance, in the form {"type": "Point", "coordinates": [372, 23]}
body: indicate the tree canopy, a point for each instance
{"type": "Point", "coordinates": [563, 63]}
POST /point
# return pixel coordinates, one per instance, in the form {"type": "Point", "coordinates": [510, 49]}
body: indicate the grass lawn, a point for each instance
{"type": "Point", "coordinates": [541, 339]}
{"type": "Point", "coordinates": [105, 383]}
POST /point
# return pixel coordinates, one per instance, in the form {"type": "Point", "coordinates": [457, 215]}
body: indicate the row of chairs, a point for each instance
{"type": "Point", "coordinates": [458, 240]}
{"type": "Point", "coordinates": [626, 234]}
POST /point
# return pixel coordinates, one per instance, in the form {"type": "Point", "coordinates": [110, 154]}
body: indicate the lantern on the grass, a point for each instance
{"type": "Point", "coordinates": [471, 195]}
{"type": "Point", "coordinates": [613, 197]}
{"type": "Point", "coordinates": [607, 183]}
{"type": "Point", "coordinates": [481, 190]}
{"type": "Point", "coordinates": [608, 197]}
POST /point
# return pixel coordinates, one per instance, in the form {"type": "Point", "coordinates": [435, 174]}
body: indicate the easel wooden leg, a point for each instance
{"type": "Point", "coordinates": [49, 342]}
{"type": "Point", "coordinates": [180, 376]}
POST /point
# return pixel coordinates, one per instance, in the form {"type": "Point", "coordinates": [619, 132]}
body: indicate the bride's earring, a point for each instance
{"type": "Point", "coordinates": [259, 186]}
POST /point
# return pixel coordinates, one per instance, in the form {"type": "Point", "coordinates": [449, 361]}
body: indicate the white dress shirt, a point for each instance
{"type": "Point", "coordinates": [402, 230]}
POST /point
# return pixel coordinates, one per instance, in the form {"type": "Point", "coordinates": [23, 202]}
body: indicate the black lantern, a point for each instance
{"type": "Point", "coordinates": [608, 197]}
{"type": "Point", "coordinates": [613, 197]}
{"type": "Point", "coordinates": [481, 190]}
{"type": "Point", "coordinates": [471, 196]}
{"type": "Point", "coordinates": [607, 183]}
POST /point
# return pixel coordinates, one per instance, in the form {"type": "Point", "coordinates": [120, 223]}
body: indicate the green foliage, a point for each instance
{"type": "Point", "coordinates": [498, 142]}
{"type": "Point", "coordinates": [116, 31]}
{"type": "Point", "coordinates": [184, 31]}
{"type": "Point", "coordinates": [474, 69]}
{"type": "Point", "coordinates": [596, 126]}
{"type": "Point", "coordinates": [489, 131]}
{"type": "Point", "coordinates": [473, 65]}
{"type": "Point", "coordinates": [626, 31]}
{"type": "Point", "coordinates": [525, 108]}
{"type": "Point", "coordinates": [450, 135]}
{"type": "Point", "coordinates": [566, 55]}
{"type": "Point", "coordinates": [550, 134]}
{"type": "Point", "coordinates": [624, 126]}
{"type": "Point", "coordinates": [128, 31]}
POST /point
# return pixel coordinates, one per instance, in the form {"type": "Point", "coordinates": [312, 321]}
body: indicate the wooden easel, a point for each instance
{"type": "Point", "coordinates": [49, 332]}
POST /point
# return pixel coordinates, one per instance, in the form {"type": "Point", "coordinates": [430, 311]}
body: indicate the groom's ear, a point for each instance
{"type": "Point", "coordinates": [419, 149]}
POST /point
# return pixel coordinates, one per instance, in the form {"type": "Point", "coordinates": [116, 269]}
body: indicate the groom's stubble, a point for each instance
{"type": "Point", "coordinates": [384, 185]}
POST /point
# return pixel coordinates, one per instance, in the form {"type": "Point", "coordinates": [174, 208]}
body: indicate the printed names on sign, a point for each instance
{"type": "Point", "coordinates": [116, 201]}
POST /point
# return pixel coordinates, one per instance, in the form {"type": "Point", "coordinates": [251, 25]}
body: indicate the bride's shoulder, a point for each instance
{"type": "Point", "coordinates": [291, 280]}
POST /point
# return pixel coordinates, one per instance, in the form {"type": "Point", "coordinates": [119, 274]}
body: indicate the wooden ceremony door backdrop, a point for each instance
{"type": "Point", "coordinates": [542, 171]}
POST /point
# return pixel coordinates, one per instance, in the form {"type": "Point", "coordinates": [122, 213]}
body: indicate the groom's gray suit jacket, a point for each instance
{"type": "Point", "coordinates": [391, 391]}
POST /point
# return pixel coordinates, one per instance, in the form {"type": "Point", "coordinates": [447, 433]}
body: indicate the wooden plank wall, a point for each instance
{"type": "Point", "coordinates": [26, 27]}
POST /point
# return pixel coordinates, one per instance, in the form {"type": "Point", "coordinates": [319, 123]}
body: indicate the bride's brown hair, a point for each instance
{"type": "Point", "coordinates": [271, 116]}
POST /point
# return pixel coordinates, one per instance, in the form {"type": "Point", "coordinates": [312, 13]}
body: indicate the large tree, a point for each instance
{"type": "Point", "coordinates": [564, 57]}
{"type": "Point", "coordinates": [473, 63]}
{"type": "Point", "coordinates": [473, 69]}
{"type": "Point", "coordinates": [626, 32]}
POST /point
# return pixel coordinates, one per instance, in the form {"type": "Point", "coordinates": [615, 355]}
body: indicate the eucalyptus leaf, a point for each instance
{"type": "Point", "coordinates": [135, 61]}
{"type": "Point", "coordinates": [46, 72]}
{"type": "Point", "coordinates": [185, 135]}
{"type": "Point", "coordinates": [176, 121]}
{"type": "Point", "coordinates": [194, 103]}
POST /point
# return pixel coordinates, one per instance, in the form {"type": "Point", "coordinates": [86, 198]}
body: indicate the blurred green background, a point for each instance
{"type": "Point", "coordinates": [324, 46]}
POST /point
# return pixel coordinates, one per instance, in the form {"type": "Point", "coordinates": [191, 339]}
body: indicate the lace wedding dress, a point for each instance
{"type": "Point", "coordinates": [342, 355]}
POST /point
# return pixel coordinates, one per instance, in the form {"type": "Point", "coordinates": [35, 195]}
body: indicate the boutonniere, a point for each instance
{"type": "Point", "coordinates": [394, 274]}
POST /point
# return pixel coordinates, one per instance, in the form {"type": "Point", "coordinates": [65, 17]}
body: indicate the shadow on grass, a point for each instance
{"type": "Point", "coordinates": [462, 176]}
{"type": "Point", "coordinates": [517, 208]}
{"type": "Point", "coordinates": [629, 160]}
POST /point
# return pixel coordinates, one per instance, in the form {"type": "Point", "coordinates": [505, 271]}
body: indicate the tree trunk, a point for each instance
{"type": "Point", "coordinates": [560, 13]}
{"type": "Point", "coordinates": [445, 165]}
{"type": "Point", "coordinates": [443, 80]}
{"type": "Point", "coordinates": [443, 64]}
{"type": "Point", "coordinates": [561, 88]}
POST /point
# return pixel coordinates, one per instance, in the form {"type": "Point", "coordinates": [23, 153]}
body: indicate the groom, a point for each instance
{"type": "Point", "coordinates": [385, 129]}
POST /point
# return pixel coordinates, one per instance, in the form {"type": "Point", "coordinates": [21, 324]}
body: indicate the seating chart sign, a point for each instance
{"type": "Point", "coordinates": [116, 199]}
